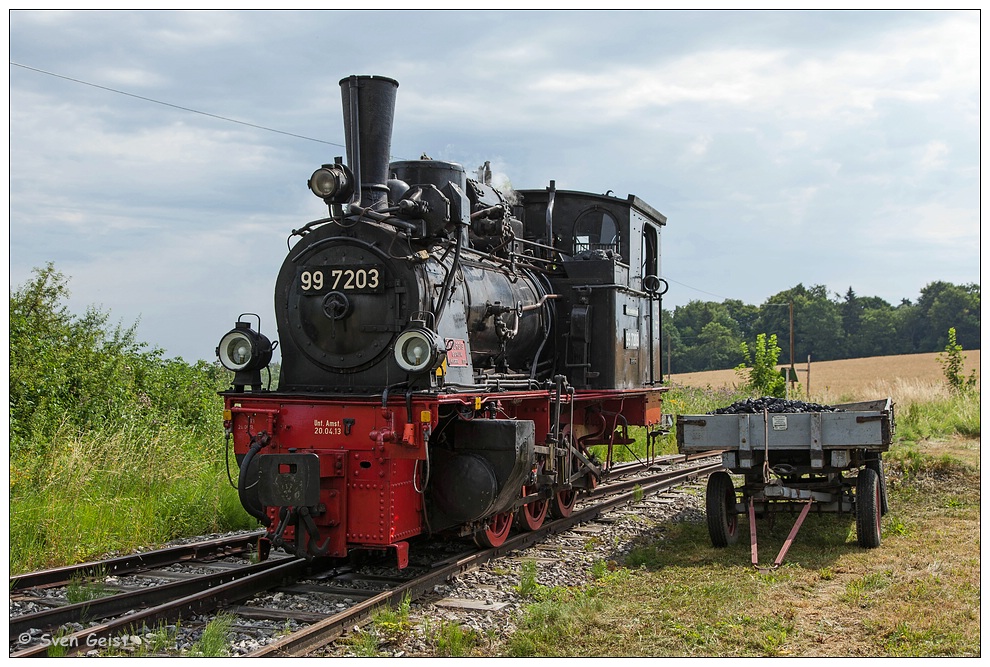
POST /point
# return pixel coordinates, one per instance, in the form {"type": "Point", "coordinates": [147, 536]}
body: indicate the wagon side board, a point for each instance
{"type": "Point", "coordinates": [815, 432]}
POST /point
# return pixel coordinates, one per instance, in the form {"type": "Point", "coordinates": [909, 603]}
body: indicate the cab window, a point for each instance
{"type": "Point", "coordinates": [596, 229]}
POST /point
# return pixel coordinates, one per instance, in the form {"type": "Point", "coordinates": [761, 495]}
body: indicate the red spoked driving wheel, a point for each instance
{"type": "Point", "coordinates": [496, 532]}
{"type": "Point", "coordinates": [562, 504]}
{"type": "Point", "coordinates": [531, 515]}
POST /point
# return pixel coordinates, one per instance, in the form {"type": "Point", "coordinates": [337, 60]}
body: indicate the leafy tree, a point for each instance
{"type": "Point", "coordinates": [908, 321]}
{"type": "Point", "coordinates": [690, 321]}
{"type": "Point", "coordinates": [877, 334]}
{"type": "Point", "coordinates": [672, 348]}
{"type": "Point", "coordinates": [693, 317]}
{"type": "Point", "coordinates": [827, 325]}
{"type": "Point", "coordinates": [818, 327]}
{"type": "Point", "coordinates": [718, 346]}
{"type": "Point", "coordinates": [817, 322]}
{"type": "Point", "coordinates": [960, 306]}
{"type": "Point", "coordinates": [760, 369]}
{"type": "Point", "coordinates": [852, 313]}
{"type": "Point", "coordinates": [775, 315]}
{"type": "Point", "coordinates": [942, 305]}
{"type": "Point", "coordinates": [744, 315]}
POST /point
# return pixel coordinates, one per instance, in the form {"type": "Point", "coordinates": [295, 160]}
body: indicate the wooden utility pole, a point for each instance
{"type": "Point", "coordinates": [668, 357]}
{"type": "Point", "coordinates": [793, 373]}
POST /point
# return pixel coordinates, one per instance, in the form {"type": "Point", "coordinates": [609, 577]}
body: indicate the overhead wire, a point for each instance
{"type": "Point", "coordinates": [726, 298]}
{"type": "Point", "coordinates": [182, 108]}
{"type": "Point", "coordinates": [239, 122]}
{"type": "Point", "coordinates": [175, 106]}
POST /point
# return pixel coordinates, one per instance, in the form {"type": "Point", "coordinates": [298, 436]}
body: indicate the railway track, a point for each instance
{"type": "Point", "coordinates": [32, 634]}
{"type": "Point", "coordinates": [227, 577]}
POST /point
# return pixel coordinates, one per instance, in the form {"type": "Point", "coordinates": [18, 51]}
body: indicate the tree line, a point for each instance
{"type": "Point", "coordinates": [69, 370]}
{"type": "Point", "coordinates": [706, 335]}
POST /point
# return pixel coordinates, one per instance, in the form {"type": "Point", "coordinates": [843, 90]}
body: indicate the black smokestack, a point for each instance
{"type": "Point", "coordinates": [369, 106]}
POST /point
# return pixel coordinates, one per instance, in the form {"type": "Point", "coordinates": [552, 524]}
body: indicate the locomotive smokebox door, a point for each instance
{"type": "Point", "coordinates": [289, 480]}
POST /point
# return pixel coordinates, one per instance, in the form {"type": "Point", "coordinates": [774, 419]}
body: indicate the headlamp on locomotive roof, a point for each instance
{"type": "Point", "coordinates": [418, 351]}
{"type": "Point", "coordinates": [245, 352]}
{"type": "Point", "coordinates": [333, 183]}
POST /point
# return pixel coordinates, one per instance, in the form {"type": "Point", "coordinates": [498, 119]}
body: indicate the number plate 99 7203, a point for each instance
{"type": "Point", "coordinates": [358, 278]}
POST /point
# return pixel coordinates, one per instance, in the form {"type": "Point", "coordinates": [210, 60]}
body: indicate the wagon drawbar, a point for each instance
{"type": "Point", "coordinates": [829, 458]}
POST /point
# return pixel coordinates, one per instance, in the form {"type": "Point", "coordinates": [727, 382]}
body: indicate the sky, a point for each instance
{"type": "Point", "coordinates": [160, 159]}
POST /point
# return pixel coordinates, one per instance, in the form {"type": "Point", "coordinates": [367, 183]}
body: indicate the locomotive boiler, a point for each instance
{"type": "Point", "coordinates": [450, 353]}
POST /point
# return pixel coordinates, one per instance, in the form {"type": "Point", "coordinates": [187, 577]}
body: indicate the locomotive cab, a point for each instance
{"type": "Point", "coordinates": [609, 252]}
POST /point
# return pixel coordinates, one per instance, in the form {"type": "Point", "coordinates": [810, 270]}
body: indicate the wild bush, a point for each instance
{"type": "Point", "coordinates": [101, 491]}
{"type": "Point", "coordinates": [952, 362]}
{"type": "Point", "coordinates": [760, 367]}
{"type": "Point", "coordinates": [112, 446]}
{"type": "Point", "coordinates": [68, 371]}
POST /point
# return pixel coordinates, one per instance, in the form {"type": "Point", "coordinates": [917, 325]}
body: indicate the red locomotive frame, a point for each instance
{"type": "Point", "coordinates": [373, 458]}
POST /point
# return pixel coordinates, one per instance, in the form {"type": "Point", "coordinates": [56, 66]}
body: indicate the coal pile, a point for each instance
{"type": "Point", "coordinates": [770, 404]}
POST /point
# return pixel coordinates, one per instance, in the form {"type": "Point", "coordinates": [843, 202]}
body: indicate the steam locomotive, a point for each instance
{"type": "Point", "coordinates": [450, 353]}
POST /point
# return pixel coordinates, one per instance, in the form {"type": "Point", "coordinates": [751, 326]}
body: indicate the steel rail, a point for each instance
{"type": "Point", "coordinates": [631, 483]}
{"type": "Point", "coordinates": [197, 603]}
{"type": "Point", "coordinates": [120, 603]}
{"type": "Point", "coordinates": [319, 634]}
{"type": "Point", "coordinates": [216, 548]}
{"type": "Point", "coordinates": [630, 467]}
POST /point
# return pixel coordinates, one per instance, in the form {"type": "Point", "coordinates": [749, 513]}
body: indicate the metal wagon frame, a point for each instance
{"type": "Point", "coordinates": [832, 461]}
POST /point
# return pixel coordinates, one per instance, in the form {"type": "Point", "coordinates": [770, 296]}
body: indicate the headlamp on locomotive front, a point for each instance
{"type": "Point", "coordinates": [418, 350]}
{"type": "Point", "coordinates": [333, 183]}
{"type": "Point", "coordinates": [245, 352]}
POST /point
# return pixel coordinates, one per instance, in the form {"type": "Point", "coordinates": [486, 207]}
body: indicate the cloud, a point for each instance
{"type": "Point", "coordinates": [933, 156]}
{"type": "Point", "coordinates": [846, 143]}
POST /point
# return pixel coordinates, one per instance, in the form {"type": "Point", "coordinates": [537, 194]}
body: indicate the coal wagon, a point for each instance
{"type": "Point", "coordinates": [828, 458]}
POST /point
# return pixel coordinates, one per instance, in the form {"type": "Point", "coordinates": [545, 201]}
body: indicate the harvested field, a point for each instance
{"type": "Point", "coordinates": [904, 377]}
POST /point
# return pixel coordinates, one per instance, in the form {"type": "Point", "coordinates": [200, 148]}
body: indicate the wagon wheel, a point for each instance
{"type": "Point", "coordinates": [532, 514]}
{"type": "Point", "coordinates": [876, 465]}
{"type": "Point", "coordinates": [496, 532]}
{"type": "Point", "coordinates": [720, 506]}
{"type": "Point", "coordinates": [868, 504]}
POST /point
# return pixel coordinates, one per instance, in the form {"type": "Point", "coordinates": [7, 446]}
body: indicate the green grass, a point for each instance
{"type": "Point", "coordinates": [528, 586]}
{"type": "Point", "coordinates": [387, 625]}
{"type": "Point", "coordinates": [94, 493]}
{"type": "Point", "coordinates": [555, 622]}
{"type": "Point", "coordinates": [364, 644]}
{"type": "Point", "coordinates": [686, 599]}
{"type": "Point", "coordinates": [215, 641]}
{"type": "Point", "coordinates": [918, 594]}
{"type": "Point", "coordinates": [391, 624]}
{"type": "Point", "coordinates": [163, 640]}
{"type": "Point", "coordinates": [868, 589]}
{"type": "Point", "coordinates": [955, 414]}
{"type": "Point", "coordinates": [86, 589]}
{"type": "Point", "coordinates": [454, 641]}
